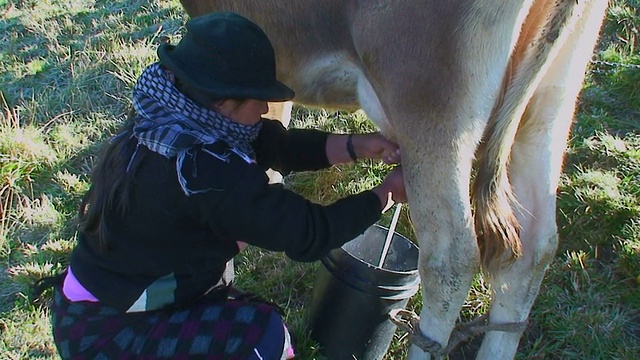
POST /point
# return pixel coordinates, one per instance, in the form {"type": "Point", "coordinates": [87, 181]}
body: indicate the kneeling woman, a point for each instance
{"type": "Point", "coordinates": [182, 188]}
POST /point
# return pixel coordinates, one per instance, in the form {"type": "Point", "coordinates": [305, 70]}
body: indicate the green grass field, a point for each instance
{"type": "Point", "coordinates": [66, 72]}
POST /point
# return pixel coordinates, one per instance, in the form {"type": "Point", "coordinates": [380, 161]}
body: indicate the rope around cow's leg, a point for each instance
{"type": "Point", "coordinates": [465, 331]}
{"type": "Point", "coordinates": [410, 322]}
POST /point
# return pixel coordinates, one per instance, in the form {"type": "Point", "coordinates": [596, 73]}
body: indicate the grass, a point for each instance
{"type": "Point", "coordinates": [67, 71]}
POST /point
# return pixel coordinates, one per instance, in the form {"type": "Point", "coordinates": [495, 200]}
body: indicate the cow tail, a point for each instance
{"type": "Point", "coordinates": [493, 200]}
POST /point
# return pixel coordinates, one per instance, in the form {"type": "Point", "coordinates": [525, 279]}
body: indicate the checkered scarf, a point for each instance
{"type": "Point", "coordinates": [171, 124]}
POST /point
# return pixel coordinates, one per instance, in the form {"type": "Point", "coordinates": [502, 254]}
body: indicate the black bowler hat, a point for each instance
{"type": "Point", "coordinates": [227, 56]}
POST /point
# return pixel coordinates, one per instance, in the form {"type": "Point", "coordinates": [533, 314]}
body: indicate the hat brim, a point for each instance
{"type": "Point", "coordinates": [275, 92]}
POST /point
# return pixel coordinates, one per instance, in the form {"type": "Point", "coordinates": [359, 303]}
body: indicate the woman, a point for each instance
{"type": "Point", "coordinates": [182, 189]}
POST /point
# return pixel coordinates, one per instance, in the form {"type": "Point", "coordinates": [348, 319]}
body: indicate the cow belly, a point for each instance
{"type": "Point", "coordinates": [333, 81]}
{"type": "Point", "coordinates": [328, 81]}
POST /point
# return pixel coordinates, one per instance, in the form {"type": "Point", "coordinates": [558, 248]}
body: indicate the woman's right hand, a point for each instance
{"type": "Point", "coordinates": [392, 189]}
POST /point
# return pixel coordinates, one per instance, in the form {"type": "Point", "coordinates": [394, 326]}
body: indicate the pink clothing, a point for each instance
{"type": "Point", "coordinates": [74, 291]}
{"type": "Point", "coordinates": [287, 352]}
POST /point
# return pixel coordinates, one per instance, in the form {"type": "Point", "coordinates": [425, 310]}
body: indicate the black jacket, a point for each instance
{"type": "Point", "coordinates": [170, 248]}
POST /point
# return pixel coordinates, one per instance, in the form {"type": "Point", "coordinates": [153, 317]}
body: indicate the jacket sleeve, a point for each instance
{"type": "Point", "coordinates": [274, 218]}
{"type": "Point", "coordinates": [290, 150]}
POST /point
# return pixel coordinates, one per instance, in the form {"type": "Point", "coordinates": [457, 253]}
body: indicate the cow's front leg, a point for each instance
{"type": "Point", "coordinates": [280, 111]}
{"type": "Point", "coordinates": [437, 177]}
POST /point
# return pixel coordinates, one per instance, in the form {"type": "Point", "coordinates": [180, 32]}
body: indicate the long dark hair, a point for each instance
{"type": "Point", "coordinates": [110, 183]}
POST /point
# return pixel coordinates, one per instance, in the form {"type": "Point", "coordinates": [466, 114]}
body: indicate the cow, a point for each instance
{"type": "Point", "coordinates": [480, 96]}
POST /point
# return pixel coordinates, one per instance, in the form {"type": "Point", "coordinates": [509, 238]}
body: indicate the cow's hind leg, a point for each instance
{"type": "Point", "coordinates": [436, 158]}
{"type": "Point", "coordinates": [438, 103]}
{"type": "Point", "coordinates": [536, 162]}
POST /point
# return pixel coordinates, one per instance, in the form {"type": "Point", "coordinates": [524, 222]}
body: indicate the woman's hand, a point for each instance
{"type": "Point", "coordinates": [362, 146]}
{"type": "Point", "coordinates": [376, 146]}
{"type": "Point", "coordinates": [392, 189]}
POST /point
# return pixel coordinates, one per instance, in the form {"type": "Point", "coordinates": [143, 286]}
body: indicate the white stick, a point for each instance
{"type": "Point", "coordinates": [392, 229]}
